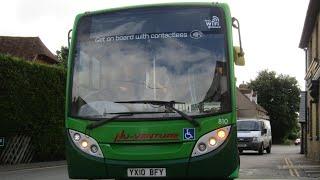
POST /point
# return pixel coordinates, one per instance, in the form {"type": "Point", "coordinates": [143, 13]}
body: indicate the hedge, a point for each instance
{"type": "Point", "coordinates": [32, 100]}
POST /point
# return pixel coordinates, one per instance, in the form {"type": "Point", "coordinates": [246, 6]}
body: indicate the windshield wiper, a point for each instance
{"type": "Point", "coordinates": [167, 104]}
{"type": "Point", "coordinates": [101, 122]}
{"type": "Point", "coordinates": [117, 115]}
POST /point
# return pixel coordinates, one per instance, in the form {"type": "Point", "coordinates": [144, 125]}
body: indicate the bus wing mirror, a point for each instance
{"type": "Point", "coordinates": [238, 51]}
{"type": "Point", "coordinates": [69, 38]}
{"type": "Point", "coordinates": [238, 56]}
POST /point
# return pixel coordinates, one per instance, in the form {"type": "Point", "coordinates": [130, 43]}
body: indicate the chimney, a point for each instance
{"type": "Point", "coordinates": [255, 97]}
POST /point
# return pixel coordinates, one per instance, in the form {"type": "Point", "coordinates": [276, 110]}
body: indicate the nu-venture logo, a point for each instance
{"type": "Point", "coordinates": [123, 136]}
{"type": "Point", "coordinates": [213, 23]}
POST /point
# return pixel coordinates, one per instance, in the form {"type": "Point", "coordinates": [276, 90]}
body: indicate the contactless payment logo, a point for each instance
{"type": "Point", "coordinates": [196, 34]}
{"type": "Point", "coordinates": [189, 134]}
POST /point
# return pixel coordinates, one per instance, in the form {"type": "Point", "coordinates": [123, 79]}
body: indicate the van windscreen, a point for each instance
{"type": "Point", "coordinates": [248, 126]}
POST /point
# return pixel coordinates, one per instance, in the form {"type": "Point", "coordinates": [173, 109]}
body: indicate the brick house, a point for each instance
{"type": "Point", "coordinates": [310, 42]}
{"type": "Point", "coordinates": [247, 106]}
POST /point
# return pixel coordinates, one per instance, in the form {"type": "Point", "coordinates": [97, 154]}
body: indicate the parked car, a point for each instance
{"type": "Point", "coordinates": [254, 134]}
{"type": "Point", "coordinates": [297, 141]}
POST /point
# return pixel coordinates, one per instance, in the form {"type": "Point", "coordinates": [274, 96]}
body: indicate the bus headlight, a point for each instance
{"type": "Point", "coordinates": [85, 143]}
{"type": "Point", "coordinates": [210, 141]}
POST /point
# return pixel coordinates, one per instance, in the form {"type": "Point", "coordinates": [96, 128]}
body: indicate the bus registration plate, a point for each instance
{"type": "Point", "coordinates": [146, 172]}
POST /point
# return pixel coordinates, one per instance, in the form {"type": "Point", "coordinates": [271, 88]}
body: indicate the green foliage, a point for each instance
{"type": "Point", "coordinates": [280, 96]}
{"type": "Point", "coordinates": [293, 136]}
{"type": "Point", "coordinates": [287, 142]}
{"type": "Point", "coordinates": [62, 55]}
{"type": "Point", "coordinates": [32, 102]}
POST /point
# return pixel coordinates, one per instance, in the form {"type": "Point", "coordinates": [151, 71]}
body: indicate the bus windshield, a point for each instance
{"type": "Point", "coordinates": [169, 54]}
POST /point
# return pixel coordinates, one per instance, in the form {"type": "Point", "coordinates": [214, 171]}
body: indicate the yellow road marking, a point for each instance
{"type": "Point", "coordinates": [290, 170]}
{"type": "Point", "coordinates": [294, 169]}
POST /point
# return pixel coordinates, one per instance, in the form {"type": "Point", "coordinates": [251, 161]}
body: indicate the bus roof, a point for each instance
{"type": "Point", "coordinates": [175, 4]}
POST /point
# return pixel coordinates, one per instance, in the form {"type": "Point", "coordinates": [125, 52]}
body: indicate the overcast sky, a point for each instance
{"type": "Point", "coordinates": [270, 29]}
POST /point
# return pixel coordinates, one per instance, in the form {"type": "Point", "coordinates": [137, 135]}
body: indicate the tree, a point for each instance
{"type": "Point", "coordinates": [280, 96]}
{"type": "Point", "coordinates": [62, 55]}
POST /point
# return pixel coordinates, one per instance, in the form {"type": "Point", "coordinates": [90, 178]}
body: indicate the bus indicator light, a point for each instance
{"type": "Point", "coordinates": [221, 134]}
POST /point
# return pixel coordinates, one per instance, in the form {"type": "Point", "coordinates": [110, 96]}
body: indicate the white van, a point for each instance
{"type": "Point", "coordinates": [254, 134]}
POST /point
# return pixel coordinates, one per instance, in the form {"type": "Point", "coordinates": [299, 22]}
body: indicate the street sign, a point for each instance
{"type": "Point", "coordinates": [1, 141]}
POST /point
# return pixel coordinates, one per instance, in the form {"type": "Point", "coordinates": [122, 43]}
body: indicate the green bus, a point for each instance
{"type": "Point", "coordinates": [151, 93]}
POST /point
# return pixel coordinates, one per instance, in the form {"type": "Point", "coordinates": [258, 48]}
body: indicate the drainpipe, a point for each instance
{"type": "Point", "coordinates": [303, 148]}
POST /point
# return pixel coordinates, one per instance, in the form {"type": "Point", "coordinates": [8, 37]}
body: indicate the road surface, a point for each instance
{"type": "Point", "coordinates": [284, 162]}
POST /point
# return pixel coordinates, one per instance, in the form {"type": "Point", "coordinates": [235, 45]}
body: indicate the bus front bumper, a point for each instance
{"type": "Point", "coordinates": [223, 162]}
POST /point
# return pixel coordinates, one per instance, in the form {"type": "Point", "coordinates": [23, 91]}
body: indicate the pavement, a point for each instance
{"type": "Point", "coordinates": [284, 162]}
{"type": "Point", "coordinates": [299, 166]}
{"type": "Point", "coordinates": [55, 170]}
{"type": "Point", "coordinates": [51, 164]}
